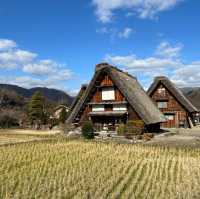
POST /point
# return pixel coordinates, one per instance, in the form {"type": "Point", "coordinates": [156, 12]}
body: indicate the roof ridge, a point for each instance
{"type": "Point", "coordinates": [161, 77]}
{"type": "Point", "coordinates": [104, 65]}
{"type": "Point", "coordinates": [124, 72]}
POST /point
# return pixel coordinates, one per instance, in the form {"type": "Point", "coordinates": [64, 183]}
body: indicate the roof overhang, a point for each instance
{"type": "Point", "coordinates": [108, 113]}
{"type": "Point", "coordinates": [107, 102]}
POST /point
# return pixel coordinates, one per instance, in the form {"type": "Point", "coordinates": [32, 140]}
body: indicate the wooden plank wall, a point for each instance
{"type": "Point", "coordinates": [173, 106]}
{"type": "Point", "coordinates": [97, 97]}
{"type": "Point", "coordinates": [107, 81]}
{"type": "Point", "coordinates": [85, 114]}
{"type": "Point", "coordinates": [118, 96]}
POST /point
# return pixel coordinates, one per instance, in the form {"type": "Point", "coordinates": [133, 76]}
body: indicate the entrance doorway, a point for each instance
{"type": "Point", "coordinates": [107, 123]}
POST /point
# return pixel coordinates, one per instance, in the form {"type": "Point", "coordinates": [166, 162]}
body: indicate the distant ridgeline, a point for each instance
{"type": "Point", "coordinates": [53, 95]}
{"type": "Point", "coordinates": [193, 94]}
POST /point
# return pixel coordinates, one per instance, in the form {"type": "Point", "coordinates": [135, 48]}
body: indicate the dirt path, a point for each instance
{"type": "Point", "coordinates": [178, 137]}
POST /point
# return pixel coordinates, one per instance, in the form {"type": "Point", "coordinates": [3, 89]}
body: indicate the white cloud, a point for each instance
{"type": "Point", "coordinates": [23, 81]}
{"type": "Point", "coordinates": [33, 71]}
{"type": "Point", "coordinates": [131, 62]}
{"type": "Point", "coordinates": [62, 75]}
{"type": "Point", "coordinates": [188, 75]}
{"type": "Point", "coordinates": [166, 62]}
{"type": "Point", "coordinates": [115, 33]}
{"type": "Point", "coordinates": [53, 70]}
{"type": "Point", "coordinates": [15, 58]}
{"type": "Point", "coordinates": [24, 56]}
{"type": "Point", "coordinates": [143, 8]}
{"type": "Point", "coordinates": [126, 33]}
{"type": "Point", "coordinates": [103, 30]}
{"type": "Point", "coordinates": [166, 50]}
{"type": "Point", "coordinates": [6, 44]}
{"type": "Point", "coordinates": [29, 82]}
{"type": "Point", "coordinates": [42, 67]}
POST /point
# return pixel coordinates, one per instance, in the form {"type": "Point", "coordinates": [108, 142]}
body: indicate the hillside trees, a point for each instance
{"type": "Point", "coordinates": [12, 109]}
{"type": "Point", "coordinates": [8, 118]}
{"type": "Point", "coordinates": [10, 99]}
{"type": "Point", "coordinates": [18, 111]}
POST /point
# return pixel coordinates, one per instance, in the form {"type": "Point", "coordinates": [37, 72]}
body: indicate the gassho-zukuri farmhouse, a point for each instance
{"type": "Point", "coordinates": [113, 97]}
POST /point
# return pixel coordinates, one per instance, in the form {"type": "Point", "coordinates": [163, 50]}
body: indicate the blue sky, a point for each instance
{"type": "Point", "coordinates": [58, 43]}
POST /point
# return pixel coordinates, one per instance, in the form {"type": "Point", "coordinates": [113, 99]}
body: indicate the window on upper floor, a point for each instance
{"type": "Point", "coordinates": [98, 108]}
{"type": "Point", "coordinates": [120, 107]}
{"type": "Point", "coordinates": [161, 91]}
{"type": "Point", "coordinates": [108, 94]}
{"type": "Point", "coordinates": [162, 104]}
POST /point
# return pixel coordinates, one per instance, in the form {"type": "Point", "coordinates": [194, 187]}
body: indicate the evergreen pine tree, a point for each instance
{"type": "Point", "coordinates": [36, 109]}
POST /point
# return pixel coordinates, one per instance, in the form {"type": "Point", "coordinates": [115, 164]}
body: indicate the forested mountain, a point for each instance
{"type": "Point", "coordinates": [53, 95]}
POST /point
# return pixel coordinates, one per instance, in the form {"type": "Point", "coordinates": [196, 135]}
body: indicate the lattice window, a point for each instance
{"type": "Point", "coordinates": [162, 104]}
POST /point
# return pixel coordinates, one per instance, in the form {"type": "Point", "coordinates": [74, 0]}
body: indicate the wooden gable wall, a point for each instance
{"type": "Point", "coordinates": [106, 81]}
{"type": "Point", "coordinates": [173, 106]}
{"type": "Point", "coordinates": [173, 103]}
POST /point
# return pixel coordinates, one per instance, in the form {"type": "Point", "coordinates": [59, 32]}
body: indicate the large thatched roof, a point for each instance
{"type": "Point", "coordinates": [130, 88]}
{"type": "Point", "coordinates": [177, 93]}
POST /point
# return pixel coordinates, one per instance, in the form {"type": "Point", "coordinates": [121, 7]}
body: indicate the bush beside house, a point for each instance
{"type": "Point", "coordinates": [87, 130]}
{"type": "Point", "coordinates": [132, 129]}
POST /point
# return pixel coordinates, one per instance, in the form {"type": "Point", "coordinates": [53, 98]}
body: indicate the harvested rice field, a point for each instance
{"type": "Point", "coordinates": [80, 169]}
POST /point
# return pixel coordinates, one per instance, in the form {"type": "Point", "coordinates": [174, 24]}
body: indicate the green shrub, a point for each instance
{"type": "Point", "coordinates": [138, 123]}
{"type": "Point", "coordinates": [121, 130]}
{"type": "Point", "coordinates": [134, 127]}
{"type": "Point", "coordinates": [87, 130]}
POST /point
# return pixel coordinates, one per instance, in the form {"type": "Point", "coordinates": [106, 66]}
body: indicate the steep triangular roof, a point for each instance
{"type": "Point", "coordinates": [177, 93]}
{"type": "Point", "coordinates": [132, 91]}
{"type": "Point", "coordinates": [78, 97]}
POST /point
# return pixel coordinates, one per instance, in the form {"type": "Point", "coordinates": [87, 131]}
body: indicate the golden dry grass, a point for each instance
{"type": "Point", "coordinates": [28, 132]}
{"type": "Point", "coordinates": [11, 136]}
{"type": "Point", "coordinates": [11, 139]}
{"type": "Point", "coordinates": [78, 169]}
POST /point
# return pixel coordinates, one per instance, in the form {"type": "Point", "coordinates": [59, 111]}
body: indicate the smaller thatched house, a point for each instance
{"type": "Point", "coordinates": [178, 110]}
{"type": "Point", "coordinates": [113, 97]}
